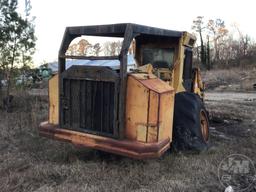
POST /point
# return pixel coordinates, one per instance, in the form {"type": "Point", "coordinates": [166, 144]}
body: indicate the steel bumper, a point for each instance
{"type": "Point", "coordinates": [128, 148]}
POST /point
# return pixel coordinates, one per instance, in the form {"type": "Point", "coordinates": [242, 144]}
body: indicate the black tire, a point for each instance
{"type": "Point", "coordinates": [189, 116]}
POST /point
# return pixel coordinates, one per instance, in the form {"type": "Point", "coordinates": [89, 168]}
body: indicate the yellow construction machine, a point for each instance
{"type": "Point", "coordinates": [140, 112]}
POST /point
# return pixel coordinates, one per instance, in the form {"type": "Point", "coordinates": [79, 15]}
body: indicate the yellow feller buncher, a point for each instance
{"type": "Point", "coordinates": [140, 112]}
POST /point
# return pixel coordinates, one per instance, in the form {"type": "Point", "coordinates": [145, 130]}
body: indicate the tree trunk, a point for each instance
{"type": "Point", "coordinates": [208, 59]}
{"type": "Point", "coordinates": [9, 75]}
{"type": "Point", "coordinates": [202, 49]}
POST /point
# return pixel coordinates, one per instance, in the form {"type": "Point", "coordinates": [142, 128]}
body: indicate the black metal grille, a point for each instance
{"type": "Point", "coordinates": [89, 105]}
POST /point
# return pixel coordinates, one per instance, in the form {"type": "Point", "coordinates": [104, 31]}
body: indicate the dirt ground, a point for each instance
{"type": "Point", "coordinates": [31, 163]}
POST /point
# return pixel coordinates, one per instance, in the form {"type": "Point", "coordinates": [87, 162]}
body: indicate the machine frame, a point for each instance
{"type": "Point", "coordinates": [118, 143]}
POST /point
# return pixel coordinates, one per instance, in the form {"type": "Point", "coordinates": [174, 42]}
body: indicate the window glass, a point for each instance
{"type": "Point", "coordinates": [158, 57]}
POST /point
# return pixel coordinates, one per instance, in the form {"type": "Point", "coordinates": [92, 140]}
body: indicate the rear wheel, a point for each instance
{"type": "Point", "coordinates": [204, 125]}
{"type": "Point", "coordinates": [191, 124]}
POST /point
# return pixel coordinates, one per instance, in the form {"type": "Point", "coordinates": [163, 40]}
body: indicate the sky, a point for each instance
{"type": "Point", "coordinates": [53, 16]}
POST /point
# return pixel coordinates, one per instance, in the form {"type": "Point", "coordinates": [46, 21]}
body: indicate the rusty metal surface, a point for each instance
{"type": "Point", "coordinates": [127, 148]}
{"type": "Point", "coordinates": [149, 109]}
{"type": "Point", "coordinates": [118, 30]}
{"type": "Point", "coordinates": [136, 110]}
{"type": "Point", "coordinates": [157, 85]}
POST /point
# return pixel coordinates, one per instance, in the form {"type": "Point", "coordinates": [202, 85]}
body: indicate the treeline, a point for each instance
{"type": "Point", "coordinates": [85, 48]}
{"type": "Point", "coordinates": [221, 47]}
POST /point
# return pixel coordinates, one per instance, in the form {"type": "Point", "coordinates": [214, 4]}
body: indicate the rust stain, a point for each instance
{"type": "Point", "coordinates": [148, 118]}
{"type": "Point", "coordinates": [126, 147]}
{"type": "Point", "coordinates": [141, 132]}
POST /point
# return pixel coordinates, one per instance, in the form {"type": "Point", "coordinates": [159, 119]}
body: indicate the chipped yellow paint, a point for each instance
{"type": "Point", "coordinates": [179, 63]}
{"type": "Point", "coordinates": [178, 69]}
{"type": "Point", "coordinates": [152, 117]}
{"type": "Point", "coordinates": [54, 100]}
{"type": "Point", "coordinates": [188, 39]}
{"type": "Point", "coordinates": [198, 84]}
{"type": "Point", "coordinates": [136, 107]}
{"type": "Point", "coordinates": [148, 68]}
{"type": "Point", "coordinates": [152, 134]}
{"type": "Point", "coordinates": [166, 111]}
{"type": "Point", "coordinates": [141, 132]}
{"type": "Point", "coordinates": [149, 109]}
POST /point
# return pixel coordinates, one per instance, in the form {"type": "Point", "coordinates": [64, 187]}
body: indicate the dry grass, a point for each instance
{"type": "Point", "coordinates": [31, 163]}
{"type": "Point", "coordinates": [235, 79]}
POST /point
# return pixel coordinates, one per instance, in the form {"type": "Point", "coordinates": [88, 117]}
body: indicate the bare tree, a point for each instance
{"type": "Point", "coordinates": [218, 30]}
{"type": "Point", "coordinates": [72, 49]}
{"type": "Point", "coordinates": [97, 49]}
{"type": "Point", "coordinates": [83, 47]}
{"type": "Point", "coordinates": [199, 27]}
{"type": "Point", "coordinates": [112, 48]}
